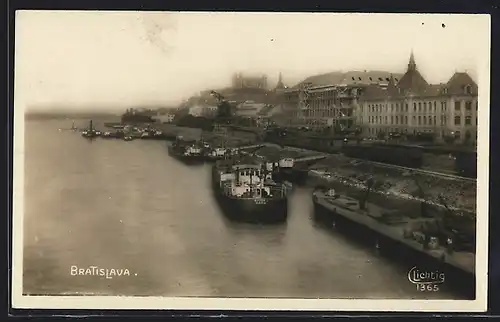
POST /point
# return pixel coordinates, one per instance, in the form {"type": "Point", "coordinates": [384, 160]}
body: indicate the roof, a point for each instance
{"type": "Point", "coordinates": [374, 92]}
{"type": "Point", "coordinates": [350, 78]}
{"type": "Point", "coordinates": [412, 81]}
{"type": "Point", "coordinates": [457, 83]}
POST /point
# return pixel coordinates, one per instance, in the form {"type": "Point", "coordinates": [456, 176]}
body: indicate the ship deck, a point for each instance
{"type": "Point", "coordinates": [462, 260]}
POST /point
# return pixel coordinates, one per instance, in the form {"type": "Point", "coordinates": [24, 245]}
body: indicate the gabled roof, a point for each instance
{"type": "Point", "coordinates": [413, 82]}
{"type": "Point", "coordinates": [458, 82]}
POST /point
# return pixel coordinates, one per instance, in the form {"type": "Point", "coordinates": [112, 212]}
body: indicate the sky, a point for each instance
{"type": "Point", "coordinates": [116, 60]}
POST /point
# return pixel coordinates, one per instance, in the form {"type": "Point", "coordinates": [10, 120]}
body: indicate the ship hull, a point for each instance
{"type": "Point", "coordinates": [263, 211]}
{"type": "Point", "coordinates": [258, 211]}
{"type": "Point", "coordinates": [187, 159]}
{"type": "Point", "coordinates": [456, 278]}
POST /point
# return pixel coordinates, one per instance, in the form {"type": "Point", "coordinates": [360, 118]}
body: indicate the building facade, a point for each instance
{"type": "Point", "coordinates": [411, 107]}
{"type": "Point", "coordinates": [165, 118]}
{"type": "Point", "coordinates": [203, 111]}
{"type": "Point", "coordinates": [330, 100]}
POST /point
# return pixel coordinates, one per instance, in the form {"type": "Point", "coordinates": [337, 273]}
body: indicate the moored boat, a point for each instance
{"type": "Point", "coordinates": [91, 132]}
{"type": "Point", "coordinates": [246, 192]}
{"type": "Point", "coordinates": [213, 154]}
{"type": "Point", "coordinates": [189, 152]}
{"type": "Point", "coordinates": [128, 138]}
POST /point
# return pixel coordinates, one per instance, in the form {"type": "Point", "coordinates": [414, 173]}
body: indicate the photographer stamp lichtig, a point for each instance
{"type": "Point", "coordinates": [426, 281]}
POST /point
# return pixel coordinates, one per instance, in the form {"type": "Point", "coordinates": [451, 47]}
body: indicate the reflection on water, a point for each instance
{"type": "Point", "coordinates": [128, 205]}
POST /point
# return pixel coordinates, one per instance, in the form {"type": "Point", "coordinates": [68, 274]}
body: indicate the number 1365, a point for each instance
{"type": "Point", "coordinates": [427, 287]}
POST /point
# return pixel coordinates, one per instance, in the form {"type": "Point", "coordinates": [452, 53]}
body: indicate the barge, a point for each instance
{"type": "Point", "coordinates": [246, 192]}
{"type": "Point", "coordinates": [188, 152]}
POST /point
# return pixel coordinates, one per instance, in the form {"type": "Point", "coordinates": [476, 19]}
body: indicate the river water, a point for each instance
{"type": "Point", "coordinates": [129, 206]}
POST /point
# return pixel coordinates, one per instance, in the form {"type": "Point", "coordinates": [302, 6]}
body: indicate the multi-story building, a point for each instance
{"type": "Point", "coordinates": [330, 100]}
{"type": "Point", "coordinates": [411, 106]}
{"type": "Point", "coordinates": [203, 111]}
{"type": "Point", "coordinates": [164, 117]}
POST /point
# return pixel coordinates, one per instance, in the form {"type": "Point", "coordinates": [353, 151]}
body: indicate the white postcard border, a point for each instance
{"type": "Point", "coordinates": [111, 302]}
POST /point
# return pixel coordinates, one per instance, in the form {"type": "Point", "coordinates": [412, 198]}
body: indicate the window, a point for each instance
{"type": "Point", "coordinates": [430, 120]}
{"type": "Point", "coordinates": [468, 106]}
{"type": "Point", "coordinates": [435, 120]}
{"type": "Point", "coordinates": [406, 107]}
{"type": "Point", "coordinates": [425, 107]}
{"type": "Point", "coordinates": [442, 120]}
{"type": "Point", "coordinates": [458, 120]}
{"type": "Point", "coordinates": [445, 107]}
{"type": "Point", "coordinates": [435, 103]}
{"type": "Point", "coordinates": [425, 120]}
{"type": "Point", "coordinates": [406, 119]}
{"type": "Point", "coordinates": [414, 107]}
{"type": "Point", "coordinates": [457, 106]}
{"type": "Point", "coordinates": [468, 89]}
{"type": "Point", "coordinates": [392, 119]}
{"type": "Point", "coordinates": [397, 120]}
{"type": "Point", "coordinates": [419, 107]}
{"type": "Point", "coordinates": [476, 105]}
{"type": "Point", "coordinates": [397, 107]}
{"type": "Point", "coordinates": [468, 120]}
{"type": "Point", "coordinates": [386, 120]}
{"type": "Point", "coordinates": [419, 120]}
{"type": "Point", "coordinates": [414, 120]}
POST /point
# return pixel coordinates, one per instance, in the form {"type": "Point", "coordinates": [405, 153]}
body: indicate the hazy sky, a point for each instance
{"type": "Point", "coordinates": [124, 58]}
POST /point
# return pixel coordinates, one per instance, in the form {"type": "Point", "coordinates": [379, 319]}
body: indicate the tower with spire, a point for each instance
{"type": "Point", "coordinates": [412, 66]}
{"type": "Point", "coordinates": [280, 84]}
{"type": "Point", "coordinates": [412, 81]}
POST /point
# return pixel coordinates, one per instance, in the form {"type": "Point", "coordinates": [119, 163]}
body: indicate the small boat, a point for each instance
{"type": "Point", "coordinates": [91, 132]}
{"type": "Point", "coordinates": [113, 135]}
{"type": "Point", "coordinates": [188, 152]}
{"type": "Point", "coordinates": [216, 153]}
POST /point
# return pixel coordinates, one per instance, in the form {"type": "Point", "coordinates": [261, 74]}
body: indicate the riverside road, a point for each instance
{"type": "Point", "coordinates": [111, 217]}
